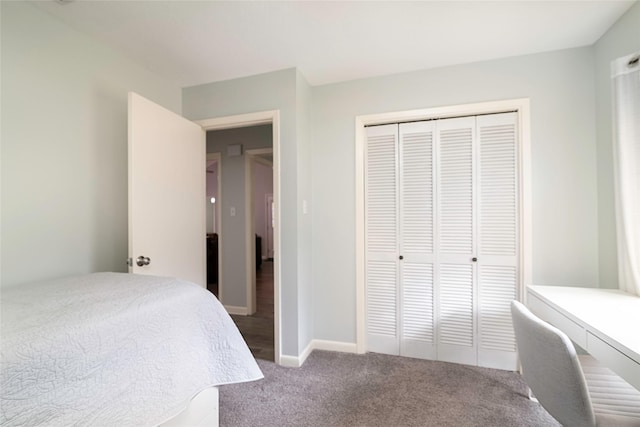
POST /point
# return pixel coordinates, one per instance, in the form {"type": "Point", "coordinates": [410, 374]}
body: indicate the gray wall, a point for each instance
{"type": "Point", "coordinates": [565, 221]}
{"type": "Point", "coordinates": [271, 91]}
{"type": "Point", "coordinates": [64, 147]}
{"type": "Point", "coordinates": [233, 252]}
{"type": "Point", "coordinates": [305, 166]}
{"type": "Point", "coordinates": [622, 39]}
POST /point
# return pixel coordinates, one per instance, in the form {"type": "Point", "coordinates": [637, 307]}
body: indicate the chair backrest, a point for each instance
{"type": "Point", "coordinates": [551, 368]}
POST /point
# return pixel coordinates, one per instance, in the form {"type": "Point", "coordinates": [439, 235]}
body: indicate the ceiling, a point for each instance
{"type": "Point", "coordinates": [195, 42]}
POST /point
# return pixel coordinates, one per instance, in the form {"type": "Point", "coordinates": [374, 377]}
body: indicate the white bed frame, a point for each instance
{"type": "Point", "coordinates": [203, 411]}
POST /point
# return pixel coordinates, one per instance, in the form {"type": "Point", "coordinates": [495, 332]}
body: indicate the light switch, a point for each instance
{"type": "Point", "coordinates": [233, 211]}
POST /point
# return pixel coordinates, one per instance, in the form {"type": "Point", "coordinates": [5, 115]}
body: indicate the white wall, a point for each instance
{"type": "Point", "coordinates": [232, 281]}
{"type": "Point", "coordinates": [560, 87]}
{"type": "Point", "coordinates": [64, 147]}
{"type": "Point", "coordinates": [622, 39]}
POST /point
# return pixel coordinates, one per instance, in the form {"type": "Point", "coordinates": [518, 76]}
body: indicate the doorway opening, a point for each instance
{"type": "Point", "coordinates": [213, 189]}
{"type": "Point", "coordinates": [259, 313]}
{"type": "Point", "coordinates": [257, 326]}
{"type": "Point", "coordinates": [258, 186]}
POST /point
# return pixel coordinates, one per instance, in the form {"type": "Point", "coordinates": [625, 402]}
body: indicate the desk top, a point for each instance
{"type": "Point", "coordinates": [612, 315]}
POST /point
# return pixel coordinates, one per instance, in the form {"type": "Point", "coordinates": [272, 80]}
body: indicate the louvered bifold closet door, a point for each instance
{"type": "Point", "coordinates": [416, 269]}
{"type": "Point", "coordinates": [455, 275]}
{"type": "Point", "coordinates": [498, 238]}
{"type": "Point", "coordinates": [381, 239]}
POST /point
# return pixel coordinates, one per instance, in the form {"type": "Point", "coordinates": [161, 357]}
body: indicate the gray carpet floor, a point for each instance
{"type": "Point", "coordinates": [338, 389]}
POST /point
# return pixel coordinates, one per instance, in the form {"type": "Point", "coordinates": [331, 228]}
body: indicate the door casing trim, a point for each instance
{"type": "Point", "coordinates": [253, 119]}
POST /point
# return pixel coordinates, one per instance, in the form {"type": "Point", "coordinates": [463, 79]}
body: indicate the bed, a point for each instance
{"type": "Point", "coordinates": [116, 349]}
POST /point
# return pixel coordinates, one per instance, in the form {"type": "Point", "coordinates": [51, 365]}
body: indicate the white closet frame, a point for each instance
{"type": "Point", "coordinates": [521, 107]}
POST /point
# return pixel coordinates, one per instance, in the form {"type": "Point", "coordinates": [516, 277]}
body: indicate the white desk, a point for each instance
{"type": "Point", "coordinates": [604, 322]}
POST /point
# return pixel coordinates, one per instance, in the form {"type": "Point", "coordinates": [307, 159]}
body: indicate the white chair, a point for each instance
{"type": "Point", "coordinates": [553, 372]}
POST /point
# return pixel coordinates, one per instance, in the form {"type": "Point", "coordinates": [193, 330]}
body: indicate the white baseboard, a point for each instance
{"type": "Point", "coordinates": [234, 309]}
{"type": "Point", "coordinates": [340, 346]}
{"type": "Point", "coordinates": [297, 361]}
{"type": "Point", "coordinates": [289, 361]}
{"type": "Point", "coordinates": [306, 352]}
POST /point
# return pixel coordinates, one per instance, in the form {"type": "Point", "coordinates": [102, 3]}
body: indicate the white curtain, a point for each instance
{"type": "Point", "coordinates": [626, 95]}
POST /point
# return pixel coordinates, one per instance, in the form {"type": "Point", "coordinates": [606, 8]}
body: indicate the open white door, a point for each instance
{"type": "Point", "coordinates": [166, 193]}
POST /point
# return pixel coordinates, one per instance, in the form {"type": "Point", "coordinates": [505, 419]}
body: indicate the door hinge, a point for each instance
{"type": "Point", "coordinates": [130, 262]}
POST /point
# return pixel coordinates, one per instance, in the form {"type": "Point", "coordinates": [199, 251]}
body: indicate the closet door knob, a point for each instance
{"type": "Point", "coordinates": [474, 259]}
{"type": "Point", "coordinates": [401, 257]}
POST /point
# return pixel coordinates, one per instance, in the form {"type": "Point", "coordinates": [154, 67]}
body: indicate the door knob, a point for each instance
{"type": "Point", "coordinates": [474, 259]}
{"type": "Point", "coordinates": [143, 260]}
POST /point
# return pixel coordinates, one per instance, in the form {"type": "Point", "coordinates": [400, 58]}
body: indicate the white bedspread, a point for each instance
{"type": "Point", "coordinates": [111, 349]}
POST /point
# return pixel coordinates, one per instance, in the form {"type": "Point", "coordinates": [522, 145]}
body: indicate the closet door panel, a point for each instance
{"type": "Point", "coordinates": [498, 235]}
{"type": "Point", "coordinates": [416, 189]}
{"type": "Point", "coordinates": [417, 320]}
{"type": "Point", "coordinates": [381, 225]}
{"type": "Point", "coordinates": [456, 241]}
{"type": "Point", "coordinates": [456, 198]}
{"type": "Point", "coordinates": [496, 344]}
{"type": "Point", "coordinates": [456, 338]}
{"type": "Point", "coordinates": [381, 199]}
{"type": "Point", "coordinates": [417, 240]}
{"type": "Point", "coordinates": [382, 324]}
{"type": "Point", "coordinates": [498, 187]}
